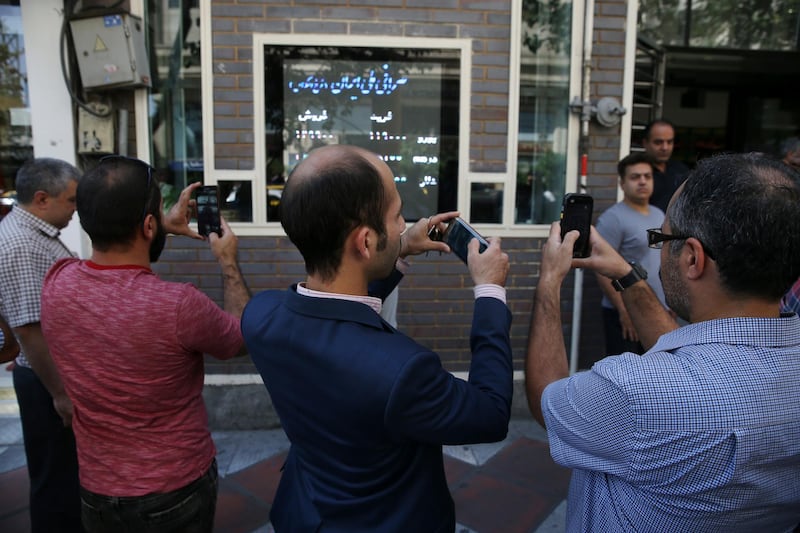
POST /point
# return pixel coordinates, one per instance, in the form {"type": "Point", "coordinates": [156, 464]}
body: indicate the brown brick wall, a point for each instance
{"type": "Point", "coordinates": [436, 297]}
{"type": "Point", "coordinates": [487, 23]}
{"type": "Point", "coordinates": [435, 304]}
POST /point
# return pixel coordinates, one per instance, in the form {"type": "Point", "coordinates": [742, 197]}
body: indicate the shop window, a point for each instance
{"type": "Point", "coordinates": [400, 103]}
{"type": "Point", "coordinates": [175, 105]}
{"type": "Point", "coordinates": [722, 24]}
{"type": "Point", "coordinates": [16, 144]}
{"type": "Point", "coordinates": [544, 92]}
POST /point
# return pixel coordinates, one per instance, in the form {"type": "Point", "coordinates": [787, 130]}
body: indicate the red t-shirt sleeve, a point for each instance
{"type": "Point", "coordinates": [204, 327]}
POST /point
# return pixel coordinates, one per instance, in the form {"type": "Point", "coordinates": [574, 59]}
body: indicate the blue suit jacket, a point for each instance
{"type": "Point", "coordinates": [367, 409]}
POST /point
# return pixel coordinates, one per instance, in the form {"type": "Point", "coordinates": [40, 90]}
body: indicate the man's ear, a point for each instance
{"type": "Point", "coordinates": [359, 241]}
{"type": "Point", "coordinates": [695, 257]}
{"type": "Point", "coordinates": [40, 198]}
{"type": "Point", "coordinates": [149, 226]}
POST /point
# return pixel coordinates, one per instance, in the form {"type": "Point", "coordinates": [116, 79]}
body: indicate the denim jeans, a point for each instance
{"type": "Point", "coordinates": [189, 509]}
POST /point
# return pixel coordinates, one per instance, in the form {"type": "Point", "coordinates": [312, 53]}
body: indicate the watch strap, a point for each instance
{"type": "Point", "coordinates": [636, 274]}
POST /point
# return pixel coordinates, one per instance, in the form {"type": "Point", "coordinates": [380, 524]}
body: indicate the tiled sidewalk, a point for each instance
{"type": "Point", "coordinates": [511, 486]}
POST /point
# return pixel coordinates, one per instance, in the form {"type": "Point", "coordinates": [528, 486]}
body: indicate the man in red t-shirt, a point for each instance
{"type": "Point", "coordinates": [129, 347]}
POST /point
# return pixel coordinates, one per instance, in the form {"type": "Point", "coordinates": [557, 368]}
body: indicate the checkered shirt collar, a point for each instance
{"type": "Point", "coordinates": [29, 219]}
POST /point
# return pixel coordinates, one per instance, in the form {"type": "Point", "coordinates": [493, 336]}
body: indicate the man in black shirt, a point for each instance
{"type": "Point", "coordinates": [658, 142]}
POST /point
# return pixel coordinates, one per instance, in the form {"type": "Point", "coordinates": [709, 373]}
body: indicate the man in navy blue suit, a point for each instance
{"type": "Point", "coordinates": [365, 407]}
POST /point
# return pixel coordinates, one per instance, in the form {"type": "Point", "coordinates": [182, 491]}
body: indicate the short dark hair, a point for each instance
{"type": "Point", "coordinates": [744, 209]}
{"type": "Point", "coordinates": [657, 122]}
{"type": "Point", "coordinates": [43, 174]}
{"type": "Point", "coordinates": [114, 198]}
{"type": "Point", "coordinates": [320, 207]}
{"type": "Point", "coordinates": [631, 159]}
{"type": "Point", "coordinates": [792, 144]}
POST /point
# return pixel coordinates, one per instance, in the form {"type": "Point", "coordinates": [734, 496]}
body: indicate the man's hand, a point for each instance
{"type": "Point", "coordinates": [491, 266]}
{"type": "Point", "coordinates": [646, 317]}
{"type": "Point", "coordinates": [176, 220]}
{"type": "Point", "coordinates": [557, 255]}
{"type": "Point", "coordinates": [224, 247]}
{"type": "Point", "coordinates": [416, 240]}
{"type": "Point", "coordinates": [628, 331]}
{"type": "Point", "coordinates": [63, 406]}
{"type": "Point", "coordinates": [604, 259]}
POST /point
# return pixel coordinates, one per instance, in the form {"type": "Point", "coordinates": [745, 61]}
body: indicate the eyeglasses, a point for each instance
{"type": "Point", "coordinates": [139, 162]}
{"type": "Point", "coordinates": [656, 239]}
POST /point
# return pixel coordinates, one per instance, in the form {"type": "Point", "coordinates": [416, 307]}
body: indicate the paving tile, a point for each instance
{"type": "Point", "coordinates": [514, 481]}
{"type": "Point", "coordinates": [261, 479]}
{"type": "Point", "coordinates": [527, 463]}
{"type": "Point", "coordinates": [14, 487]}
{"type": "Point", "coordinates": [19, 522]}
{"type": "Point", "coordinates": [455, 471]}
{"type": "Point", "coordinates": [12, 458]}
{"type": "Point", "coordinates": [10, 430]}
{"type": "Point", "coordinates": [239, 511]}
{"type": "Point", "coordinates": [475, 454]}
{"type": "Point", "coordinates": [488, 504]}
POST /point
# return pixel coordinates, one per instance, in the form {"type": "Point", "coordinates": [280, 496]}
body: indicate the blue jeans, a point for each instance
{"type": "Point", "coordinates": [52, 458]}
{"type": "Point", "coordinates": [187, 510]}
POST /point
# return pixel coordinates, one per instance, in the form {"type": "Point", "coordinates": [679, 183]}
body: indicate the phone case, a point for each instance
{"type": "Point", "coordinates": [576, 214]}
{"type": "Point", "coordinates": [458, 235]}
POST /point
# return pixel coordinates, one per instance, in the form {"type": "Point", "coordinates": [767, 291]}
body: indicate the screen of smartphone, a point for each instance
{"type": "Point", "coordinates": [208, 211]}
{"type": "Point", "coordinates": [458, 235]}
{"type": "Point", "coordinates": [576, 214]}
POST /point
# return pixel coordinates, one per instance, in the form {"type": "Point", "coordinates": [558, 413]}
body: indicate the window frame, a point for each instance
{"type": "Point", "coordinates": [466, 177]}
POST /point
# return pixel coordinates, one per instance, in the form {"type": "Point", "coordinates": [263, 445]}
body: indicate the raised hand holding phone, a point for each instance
{"type": "Point", "coordinates": [458, 235]}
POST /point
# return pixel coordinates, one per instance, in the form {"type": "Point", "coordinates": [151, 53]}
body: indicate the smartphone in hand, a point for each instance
{"type": "Point", "coordinates": [458, 235]}
{"type": "Point", "coordinates": [208, 210]}
{"type": "Point", "coordinates": [576, 214]}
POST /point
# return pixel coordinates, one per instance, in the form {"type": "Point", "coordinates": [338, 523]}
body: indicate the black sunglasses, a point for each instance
{"type": "Point", "coordinates": [656, 239]}
{"type": "Point", "coordinates": [141, 163]}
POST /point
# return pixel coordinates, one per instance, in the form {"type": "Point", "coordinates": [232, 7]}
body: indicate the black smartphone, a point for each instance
{"type": "Point", "coordinates": [576, 213]}
{"type": "Point", "coordinates": [208, 210]}
{"type": "Point", "coordinates": [457, 236]}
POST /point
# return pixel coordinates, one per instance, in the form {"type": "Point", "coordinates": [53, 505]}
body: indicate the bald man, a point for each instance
{"type": "Point", "coordinates": [365, 407]}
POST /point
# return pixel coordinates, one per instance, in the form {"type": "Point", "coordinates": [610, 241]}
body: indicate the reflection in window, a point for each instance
{"type": "Point", "coordinates": [15, 119]}
{"type": "Point", "coordinates": [486, 203]}
{"type": "Point", "coordinates": [772, 25]}
{"type": "Point", "coordinates": [543, 110]}
{"type": "Point", "coordinates": [175, 100]}
{"type": "Point", "coordinates": [236, 198]}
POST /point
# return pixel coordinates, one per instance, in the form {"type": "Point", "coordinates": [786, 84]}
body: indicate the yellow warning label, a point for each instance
{"type": "Point", "coordinates": [99, 45]}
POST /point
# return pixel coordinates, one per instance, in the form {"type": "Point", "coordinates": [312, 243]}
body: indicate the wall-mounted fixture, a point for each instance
{"type": "Point", "coordinates": [110, 50]}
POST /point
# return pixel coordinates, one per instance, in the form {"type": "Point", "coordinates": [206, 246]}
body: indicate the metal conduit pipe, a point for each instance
{"type": "Point", "coordinates": [577, 302]}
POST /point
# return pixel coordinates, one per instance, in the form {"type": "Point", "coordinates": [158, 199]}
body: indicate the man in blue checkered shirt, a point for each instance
{"type": "Point", "coordinates": [700, 432]}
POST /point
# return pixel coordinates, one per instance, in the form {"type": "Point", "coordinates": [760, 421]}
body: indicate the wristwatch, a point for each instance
{"type": "Point", "coordinates": [638, 273]}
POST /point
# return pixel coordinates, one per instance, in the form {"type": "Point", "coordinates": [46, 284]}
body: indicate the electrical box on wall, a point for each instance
{"type": "Point", "coordinates": [95, 133]}
{"type": "Point", "coordinates": [111, 51]}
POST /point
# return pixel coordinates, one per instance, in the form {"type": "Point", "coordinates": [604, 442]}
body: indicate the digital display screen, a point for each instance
{"type": "Point", "coordinates": [400, 105]}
